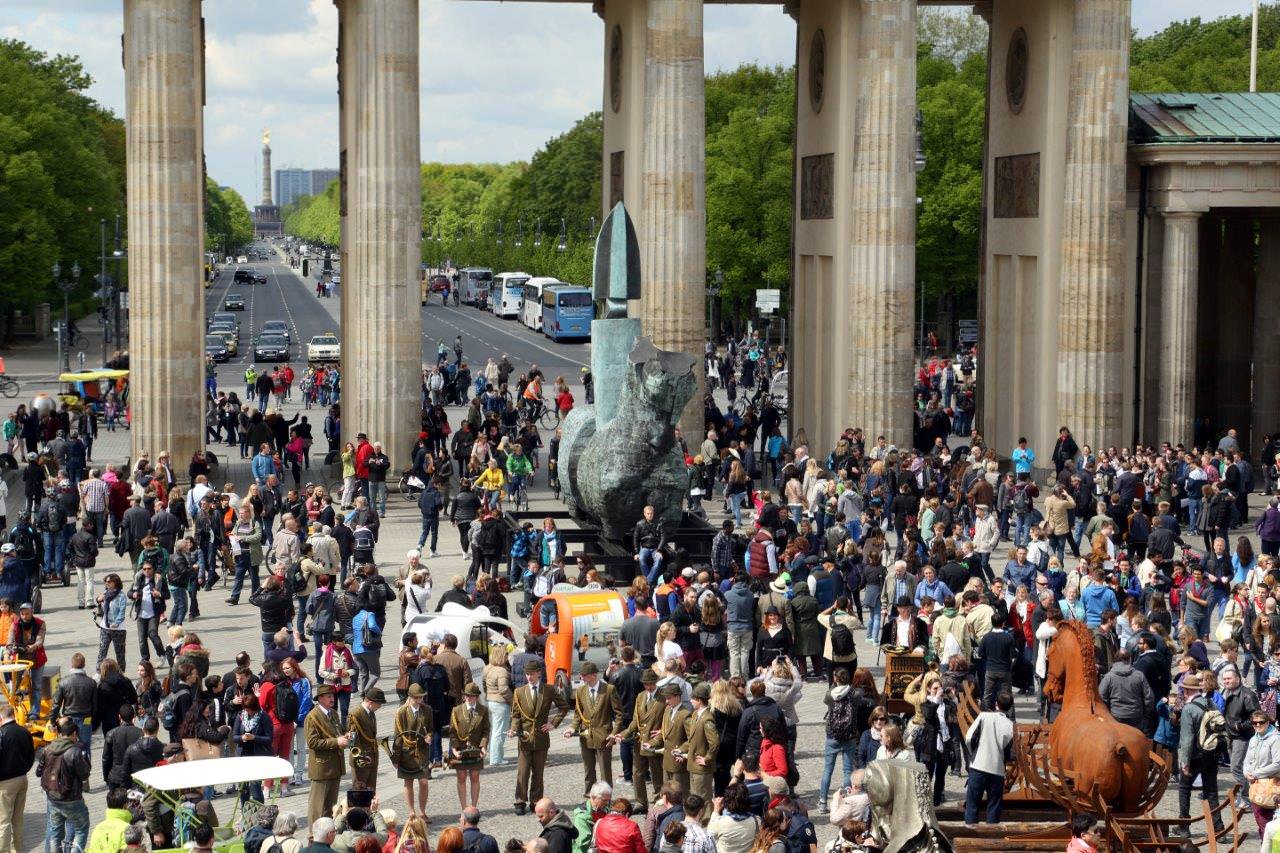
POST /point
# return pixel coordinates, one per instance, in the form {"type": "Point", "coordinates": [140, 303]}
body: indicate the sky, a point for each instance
{"type": "Point", "coordinates": [498, 79]}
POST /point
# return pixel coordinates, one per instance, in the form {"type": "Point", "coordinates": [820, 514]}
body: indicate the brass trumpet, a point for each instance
{"type": "Point", "coordinates": [359, 759]}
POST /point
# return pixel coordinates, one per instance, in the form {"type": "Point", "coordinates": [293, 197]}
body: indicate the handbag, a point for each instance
{"type": "Point", "coordinates": [1264, 793]}
{"type": "Point", "coordinates": [197, 749]}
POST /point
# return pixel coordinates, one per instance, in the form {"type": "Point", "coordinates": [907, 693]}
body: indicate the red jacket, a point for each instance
{"type": "Point", "coordinates": [363, 451]}
{"type": "Point", "coordinates": [1021, 626]}
{"type": "Point", "coordinates": [616, 833]}
{"type": "Point", "coordinates": [773, 758]}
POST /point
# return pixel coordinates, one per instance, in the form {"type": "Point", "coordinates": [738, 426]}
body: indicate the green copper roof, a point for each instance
{"type": "Point", "coordinates": [1173, 117]}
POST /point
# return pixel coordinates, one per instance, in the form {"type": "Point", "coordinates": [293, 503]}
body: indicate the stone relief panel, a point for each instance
{"type": "Point", "coordinates": [615, 68]}
{"type": "Point", "coordinates": [817, 186]}
{"type": "Point", "coordinates": [817, 69]}
{"type": "Point", "coordinates": [1017, 187]}
{"type": "Point", "coordinates": [1015, 71]}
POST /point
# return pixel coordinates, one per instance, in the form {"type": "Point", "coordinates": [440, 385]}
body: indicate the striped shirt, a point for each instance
{"type": "Point", "coordinates": [93, 495]}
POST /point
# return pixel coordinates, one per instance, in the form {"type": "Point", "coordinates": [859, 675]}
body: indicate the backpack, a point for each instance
{"type": "Point", "coordinates": [55, 776]}
{"type": "Point", "coordinates": [363, 539]}
{"type": "Point", "coordinates": [24, 542]}
{"type": "Point", "coordinates": [800, 835]}
{"type": "Point", "coordinates": [287, 703]}
{"type": "Point", "coordinates": [168, 712]}
{"type": "Point", "coordinates": [369, 638]}
{"type": "Point", "coordinates": [53, 519]}
{"type": "Point", "coordinates": [841, 723]}
{"type": "Point", "coordinates": [841, 639]}
{"type": "Point", "coordinates": [1021, 501]}
{"type": "Point", "coordinates": [1211, 735]}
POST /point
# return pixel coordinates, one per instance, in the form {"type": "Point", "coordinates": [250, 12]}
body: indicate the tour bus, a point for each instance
{"type": "Point", "coordinates": [473, 284]}
{"type": "Point", "coordinates": [508, 293]}
{"type": "Point", "coordinates": [567, 311]}
{"type": "Point", "coordinates": [531, 307]}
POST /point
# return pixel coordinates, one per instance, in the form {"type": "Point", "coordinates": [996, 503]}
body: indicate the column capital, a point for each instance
{"type": "Point", "coordinates": [1185, 215]}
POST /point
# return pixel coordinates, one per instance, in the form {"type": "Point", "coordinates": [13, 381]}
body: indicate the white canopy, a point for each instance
{"type": "Point", "coordinates": [214, 771]}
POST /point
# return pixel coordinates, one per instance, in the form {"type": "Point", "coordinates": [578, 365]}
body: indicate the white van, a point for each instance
{"type": "Point", "coordinates": [508, 293]}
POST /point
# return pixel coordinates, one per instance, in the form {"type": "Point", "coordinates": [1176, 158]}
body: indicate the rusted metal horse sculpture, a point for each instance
{"type": "Point", "coordinates": [1085, 741]}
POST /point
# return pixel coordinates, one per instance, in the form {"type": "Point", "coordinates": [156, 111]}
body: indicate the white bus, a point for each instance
{"type": "Point", "coordinates": [508, 293]}
{"type": "Point", "coordinates": [473, 283]}
{"type": "Point", "coordinates": [531, 309]}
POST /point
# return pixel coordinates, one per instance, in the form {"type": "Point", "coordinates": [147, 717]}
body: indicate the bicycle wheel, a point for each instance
{"type": "Point", "coordinates": [10, 388]}
{"type": "Point", "coordinates": [549, 419]}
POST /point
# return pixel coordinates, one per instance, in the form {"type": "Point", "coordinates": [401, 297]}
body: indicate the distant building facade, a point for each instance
{"type": "Point", "coordinates": [292, 184]}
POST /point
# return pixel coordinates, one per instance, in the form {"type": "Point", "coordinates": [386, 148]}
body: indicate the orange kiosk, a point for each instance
{"type": "Point", "coordinates": [568, 617]}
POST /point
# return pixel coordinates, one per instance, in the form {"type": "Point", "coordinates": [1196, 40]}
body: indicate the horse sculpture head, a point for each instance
{"type": "Point", "coordinates": [1071, 663]}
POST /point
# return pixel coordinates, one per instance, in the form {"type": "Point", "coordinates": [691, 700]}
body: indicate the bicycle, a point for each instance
{"type": "Point", "coordinates": [541, 414]}
{"type": "Point", "coordinates": [520, 497]}
{"type": "Point", "coordinates": [9, 386]}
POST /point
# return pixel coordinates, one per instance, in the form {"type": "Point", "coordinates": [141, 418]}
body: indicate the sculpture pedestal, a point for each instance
{"type": "Point", "coordinates": [611, 343]}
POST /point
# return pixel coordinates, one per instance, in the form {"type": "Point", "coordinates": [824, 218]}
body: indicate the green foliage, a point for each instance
{"type": "Point", "coordinates": [952, 102]}
{"type": "Point", "coordinates": [750, 128]}
{"type": "Point", "coordinates": [227, 223]}
{"type": "Point", "coordinates": [1207, 56]}
{"type": "Point", "coordinates": [61, 170]}
{"type": "Point", "coordinates": [314, 218]}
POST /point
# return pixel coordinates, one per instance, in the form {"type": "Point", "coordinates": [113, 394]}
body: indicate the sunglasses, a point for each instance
{"type": "Point", "coordinates": [1259, 722]}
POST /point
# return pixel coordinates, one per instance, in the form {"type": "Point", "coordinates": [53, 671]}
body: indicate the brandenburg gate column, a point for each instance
{"type": "Point", "coordinates": [673, 217]}
{"type": "Point", "coordinates": [1091, 376]}
{"type": "Point", "coordinates": [1266, 344]}
{"type": "Point", "coordinates": [1180, 281]}
{"type": "Point", "coordinates": [382, 346]}
{"type": "Point", "coordinates": [164, 133]}
{"type": "Point", "coordinates": [879, 299]}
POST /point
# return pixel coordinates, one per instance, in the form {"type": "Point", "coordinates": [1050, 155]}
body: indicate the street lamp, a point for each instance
{"type": "Point", "coordinates": [537, 233]}
{"type": "Point", "coordinates": [519, 233]}
{"type": "Point", "coordinates": [564, 236]}
{"type": "Point", "coordinates": [66, 286]}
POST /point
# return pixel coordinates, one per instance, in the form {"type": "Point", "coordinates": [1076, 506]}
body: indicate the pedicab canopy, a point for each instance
{"type": "Point", "coordinates": [569, 617]}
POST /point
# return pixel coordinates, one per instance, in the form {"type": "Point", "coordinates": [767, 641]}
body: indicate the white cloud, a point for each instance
{"type": "Point", "coordinates": [498, 79]}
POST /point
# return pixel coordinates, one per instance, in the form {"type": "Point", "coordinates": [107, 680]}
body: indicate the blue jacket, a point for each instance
{"type": "Point", "coordinates": [357, 629]}
{"type": "Point", "coordinates": [13, 580]}
{"type": "Point", "coordinates": [305, 703]}
{"type": "Point", "coordinates": [1097, 598]}
{"type": "Point", "coordinates": [740, 608]}
{"type": "Point", "coordinates": [262, 467]}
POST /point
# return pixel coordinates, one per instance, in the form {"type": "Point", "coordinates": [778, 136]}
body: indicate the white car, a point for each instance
{"type": "Point", "coordinates": [242, 260]}
{"type": "Point", "coordinates": [324, 348]}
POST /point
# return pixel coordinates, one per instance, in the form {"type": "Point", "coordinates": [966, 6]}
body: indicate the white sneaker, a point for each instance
{"type": "Point", "coordinates": [434, 554]}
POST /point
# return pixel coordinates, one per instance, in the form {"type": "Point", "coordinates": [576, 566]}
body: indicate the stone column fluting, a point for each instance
{"type": "Point", "coordinates": [879, 302]}
{"type": "Point", "coordinates": [1266, 343]}
{"type": "Point", "coordinates": [164, 94]}
{"type": "Point", "coordinates": [382, 329]}
{"type": "Point", "coordinates": [1179, 304]}
{"type": "Point", "coordinates": [673, 230]}
{"type": "Point", "coordinates": [1091, 376]}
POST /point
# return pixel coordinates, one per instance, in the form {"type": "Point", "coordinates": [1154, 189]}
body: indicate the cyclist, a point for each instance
{"type": "Point", "coordinates": [532, 396]}
{"type": "Point", "coordinates": [518, 468]}
{"type": "Point", "coordinates": [490, 483]}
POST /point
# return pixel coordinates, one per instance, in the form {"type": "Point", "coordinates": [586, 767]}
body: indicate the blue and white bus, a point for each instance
{"type": "Point", "coordinates": [508, 293]}
{"type": "Point", "coordinates": [473, 284]}
{"type": "Point", "coordinates": [531, 307]}
{"type": "Point", "coordinates": [567, 312]}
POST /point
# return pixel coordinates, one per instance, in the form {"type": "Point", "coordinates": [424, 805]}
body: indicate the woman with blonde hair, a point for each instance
{"type": "Point", "coordinates": [737, 485]}
{"type": "Point", "coordinates": [713, 635]}
{"type": "Point", "coordinates": [348, 457]}
{"type": "Point", "coordinates": [665, 647]}
{"type": "Point", "coordinates": [497, 696]}
{"type": "Point", "coordinates": [413, 838]}
{"type": "Point", "coordinates": [726, 711]}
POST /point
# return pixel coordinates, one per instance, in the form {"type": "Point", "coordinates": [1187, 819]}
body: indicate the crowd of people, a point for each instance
{"type": "Point", "coordinates": [816, 559]}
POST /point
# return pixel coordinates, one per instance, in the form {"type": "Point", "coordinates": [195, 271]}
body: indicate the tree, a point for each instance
{"type": "Point", "coordinates": [227, 223]}
{"type": "Point", "coordinates": [61, 170]}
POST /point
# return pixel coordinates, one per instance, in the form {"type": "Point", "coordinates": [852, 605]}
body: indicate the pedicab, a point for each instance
{"type": "Point", "coordinates": [91, 387]}
{"type": "Point", "coordinates": [166, 783]}
{"type": "Point", "coordinates": [15, 686]}
{"type": "Point", "coordinates": [570, 618]}
{"type": "Point", "coordinates": [476, 628]}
